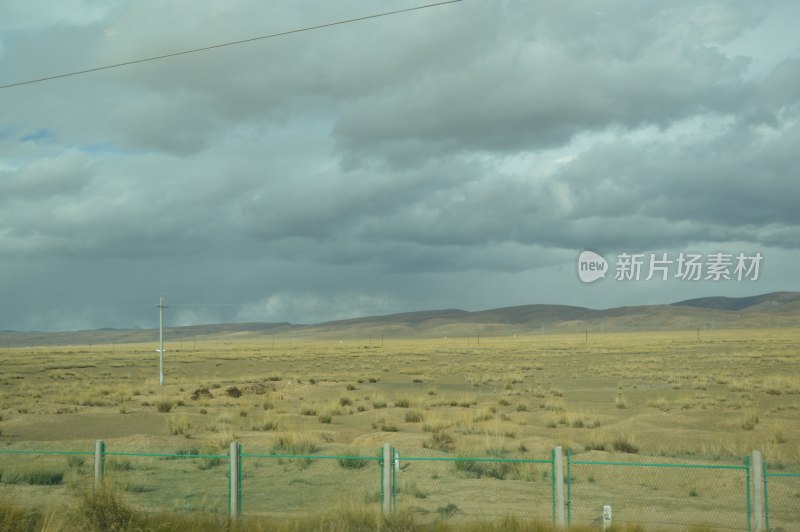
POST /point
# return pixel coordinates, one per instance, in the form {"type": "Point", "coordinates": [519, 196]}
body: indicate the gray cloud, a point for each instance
{"type": "Point", "coordinates": [358, 168]}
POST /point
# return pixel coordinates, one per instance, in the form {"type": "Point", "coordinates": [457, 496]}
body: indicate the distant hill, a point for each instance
{"type": "Point", "coordinates": [772, 300]}
{"type": "Point", "coordinates": [777, 309]}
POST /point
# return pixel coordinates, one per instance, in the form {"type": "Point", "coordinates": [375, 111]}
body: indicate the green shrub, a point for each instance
{"type": "Point", "coordinates": [500, 470]}
{"type": "Point", "coordinates": [119, 464]}
{"type": "Point", "coordinates": [44, 477]}
{"type": "Point", "coordinates": [104, 509]}
{"type": "Point", "coordinates": [207, 463]}
{"type": "Point", "coordinates": [413, 416]}
{"type": "Point", "coordinates": [352, 462]}
{"type": "Point", "coordinates": [623, 445]}
{"type": "Point", "coordinates": [75, 460]}
{"type": "Point", "coordinates": [440, 441]}
{"type": "Point", "coordinates": [164, 406]}
{"type": "Point", "coordinates": [448, 510]}
{"type": "Point", "coordinates": [291, 444]}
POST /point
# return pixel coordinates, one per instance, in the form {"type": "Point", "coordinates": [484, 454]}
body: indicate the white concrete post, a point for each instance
{"type": "Point", "coordinates": [606, 516]}
{"type": "Point", "coordinates": [388, 476]}
{"type": "Point", "coordinates": [757, 465]}
{"type": "Point", "coordinates": [561, 520]}
{"type": "Point", "coordinates": [99, 459]}
{"type": "Point", "coordinates": [236, 502]}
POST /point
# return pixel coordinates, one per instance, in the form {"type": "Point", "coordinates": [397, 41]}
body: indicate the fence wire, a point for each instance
{"type": "Point", "coordinates": [172, 482]}
{"type": "Point", "coordinates": [35, 479]}
{"type": "Point", "coordinates": [645, 491]}
{"type": "Point", "coordinates": [782, 494]}
{"type": "Point", "coordinates": [463, 488]}
{"type": "Point", "coordinates": [433, 484]}
{"type": "Point", "coordinates": [294, 485]}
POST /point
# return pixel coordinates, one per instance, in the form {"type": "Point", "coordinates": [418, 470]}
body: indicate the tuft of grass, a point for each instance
{"type": "Point", "coordinates": [179, 426]}
{"type": "Point", "coordinates": [620, 402]}
{"type": "Point", "coordinates": [411, 488]}
{"type": "Point", "coordinates": [352, 461]}
{"type": "Point", "coordinates": [440, 441]}
{"type": "Point", "coordinates": [76, 461]}
{"type": "Point", "coordinates": [413, 416]}
{"type": "Point", "coordinates": [491, 469]}
{"type": "Point", "coordinates": [776, 434]}
{"type": "Point", "coordinates": [105, 509]}
{"type": "Point", "coordinates": [448, 510]}
{"type": "Point", "coordinates": [35, 477]}
{"type": "Point", "coordinates": [265, 425]}
{"type": "Point", "coordinates": [164, 406]}
{"type": "Point", "coordinates": [595, 443]}
{"type": "Point", "coordinates": [291, 443]}
{"type": "Point", "coordinates": [749, 421]}
{"type": "Point", "coordinates": [624, 445]}
{"type": "Point", "coordinates": [119, 464]}
{"type": "Point", "coordinates": [661, 404]}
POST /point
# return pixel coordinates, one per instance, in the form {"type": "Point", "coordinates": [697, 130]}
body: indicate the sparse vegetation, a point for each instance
{"type": "Point", "coordinates": [695, 401]}
{"type": "Point", "coordinates": [413, 417]}
{"type": "Point", "coordinates": [164, 406]}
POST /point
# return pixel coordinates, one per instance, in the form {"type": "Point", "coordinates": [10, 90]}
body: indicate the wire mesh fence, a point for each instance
{"type": "Point", "coordinates": [167, 481]}
{"type": "Point", "coordinates": [782, 497]}
{"type": "Point", "coordinates": [432, 484]}
{"type": "Point", "coordinates": [646, 491]}
{"type": "Point", "coordinates": [35, 478]}
{"type": "Point", "coordinates": [286, 485]}
{"type": "Point", "coordinates": [462, 488]}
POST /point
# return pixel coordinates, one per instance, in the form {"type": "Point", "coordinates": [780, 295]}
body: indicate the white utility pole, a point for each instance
{"type": "Point", "coordinates": [161, 308]}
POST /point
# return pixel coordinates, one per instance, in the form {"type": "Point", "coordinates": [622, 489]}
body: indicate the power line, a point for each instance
{"type": "Point", "coordinates": [232, 43]}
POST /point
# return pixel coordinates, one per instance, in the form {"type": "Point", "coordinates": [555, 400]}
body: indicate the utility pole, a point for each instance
{"type": "Point", "coordinates": [161, 308]}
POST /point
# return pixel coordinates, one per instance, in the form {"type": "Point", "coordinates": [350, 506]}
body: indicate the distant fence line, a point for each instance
{"type": "Point", "coordinates": [559, 488]}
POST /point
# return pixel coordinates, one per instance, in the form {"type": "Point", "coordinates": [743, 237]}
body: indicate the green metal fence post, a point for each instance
{"type": "Point", "coordinates": [766, 498]}
{"type": "Point", "coordinates": [747, 490]}
{"type": "Point", "coordinates": [380, 472]}
{"type": "Point", "coordinates": [553, 484]}
{"type": "Point", "coordinates": [395, 466]}
{"type": "Point", "coordinates": [241, 477]}
{"type": "Point", "coordinates": [569, 488]}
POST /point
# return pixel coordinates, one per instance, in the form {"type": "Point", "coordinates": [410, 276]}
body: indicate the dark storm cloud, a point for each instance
{"type": "Point", "coordinates": [552, 76]}
{"type": "Point", "coordinates": [353, 168]}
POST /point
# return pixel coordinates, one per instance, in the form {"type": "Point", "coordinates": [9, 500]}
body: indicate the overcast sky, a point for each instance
{"type": "Point", "coordinates": [460, 156]}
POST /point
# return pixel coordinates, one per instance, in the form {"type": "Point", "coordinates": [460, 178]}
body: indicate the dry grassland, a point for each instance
{"type": "Point", "coordinates": [660, 394]}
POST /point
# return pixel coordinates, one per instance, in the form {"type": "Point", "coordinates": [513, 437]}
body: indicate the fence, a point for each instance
{"type": "Point", "coordinates": [781, 499]}
{"type": "Point", "coordinates": [589, 489]}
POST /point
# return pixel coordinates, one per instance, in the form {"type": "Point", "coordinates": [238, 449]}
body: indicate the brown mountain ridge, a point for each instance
{"type": "Point", "coordinates": [776, 309]}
